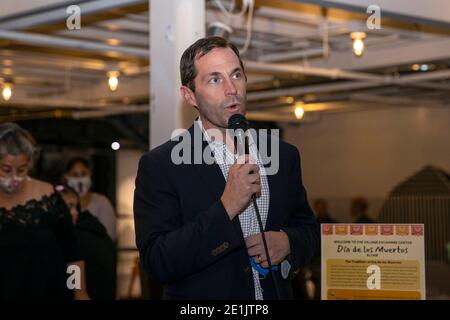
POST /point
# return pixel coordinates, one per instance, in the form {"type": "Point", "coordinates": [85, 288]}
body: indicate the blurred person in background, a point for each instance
{"type": "Point", "coordinates": [78, 175]}
{"type": "Point", "coordinates": [358, 210]}
{"type": "Point", "coordinates": [37, 238]}
{"type": "Point", "coordinates": [97, 249]}
{"type": "Point", "coordinates": [321, 211]}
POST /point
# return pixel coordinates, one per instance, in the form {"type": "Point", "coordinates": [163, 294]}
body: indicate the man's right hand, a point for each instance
{"type": "Point", "coordinates": [243, 181]}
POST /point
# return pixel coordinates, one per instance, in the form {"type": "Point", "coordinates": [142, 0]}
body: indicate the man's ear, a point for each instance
{"type": "Point", "coordinates": [188, 96]}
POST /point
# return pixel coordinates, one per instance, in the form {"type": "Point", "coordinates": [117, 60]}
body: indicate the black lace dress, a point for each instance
{"type": "Point", "coordinates": [37, 240]}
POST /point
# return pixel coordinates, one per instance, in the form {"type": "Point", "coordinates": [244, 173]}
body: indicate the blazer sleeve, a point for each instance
{"type": "Point", "coordinates": [170, 248]}
{"type": "Point", "coordinates": [302, 229]}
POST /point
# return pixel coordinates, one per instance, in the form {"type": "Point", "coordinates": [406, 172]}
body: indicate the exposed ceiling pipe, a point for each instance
{"type": "Point", "coordinates": [50, 61]}
{"type": "Point", "coordinates": [34, 116]}
{"type": "Point", "coordinates": [65, 43]}
{"type": "Point", "coordinates": [424, 76]}
{"type": "Point", "coordinates": [289, 16]}
{"type": "Point", "coordinates": [289, 103]}
{"type": "Point", "coordinates": [258, 66]}
{"type": "Point", "coordinates": [323, 104]}
{"type": "Point", "coordinates": [395, 100]}
{"type": "Point", "coordinates": [270, 116]}
{"type": "Point", "coordinates": [55, 103]}
{"type": "Point", "coordinates": [44, 72]}
{"type": "Point", "coordinates": [321, 88]}
{"type": "Point", "coordinates": [390, 10]}
{"type": "Point", "coordinates": [369, 80]}
{"type": "Point", "coordinates": [298, 54]}
{"type": "Point", "coordinates": [78, 115]}
{"type": "Point", "coordinates": [315, 110]}
{"type": "Point", "coordinates": [58, 13]}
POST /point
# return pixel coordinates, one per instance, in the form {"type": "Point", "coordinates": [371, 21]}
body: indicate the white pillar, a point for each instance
{"type": "Point", "coordinates": [174, 25]}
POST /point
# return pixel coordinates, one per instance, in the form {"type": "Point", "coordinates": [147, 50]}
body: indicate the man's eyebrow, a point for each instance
{"type": "Point", "coordinates": [236, 69]}
{"type": "Point", "coordinates": [214, 73]}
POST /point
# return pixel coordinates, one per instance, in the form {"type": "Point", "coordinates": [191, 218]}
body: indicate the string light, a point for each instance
{"type": "Point", "coordinates": [299, 111]}
{"type": "Point", "coordinates": [424, 67]}
{"type": "Point", "coordinates": [7, 91]}
{"type": "Point", "coordinates": [113, 80]}
{"type": "Point", "coordinates": [358, 42]}
{"type": "Point", "coordinates": [415, 67]}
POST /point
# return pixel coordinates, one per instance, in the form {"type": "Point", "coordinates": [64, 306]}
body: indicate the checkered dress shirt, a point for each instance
{"type": "Point", "coordinates": [225, 158]}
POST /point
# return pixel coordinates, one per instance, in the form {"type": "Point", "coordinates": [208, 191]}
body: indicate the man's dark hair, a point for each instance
{"type": "Point", "coordinates": [198, 49]}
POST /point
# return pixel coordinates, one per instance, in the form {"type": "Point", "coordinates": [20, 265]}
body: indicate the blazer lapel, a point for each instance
{"type": "Point", "coordinates": [210, 174]}
{"type": "Point", "coordinates": [275, 186]}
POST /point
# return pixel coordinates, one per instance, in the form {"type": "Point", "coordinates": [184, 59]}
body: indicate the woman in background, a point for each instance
{"type": "Point", "coordinates": [37, 240]}
{"type": "Point", "coordinates": [97, 248]}
{"type": "Point", "coordinates": [78, 176]}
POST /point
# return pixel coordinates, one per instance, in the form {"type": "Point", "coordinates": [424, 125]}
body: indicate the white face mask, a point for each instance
{"type": "Point", "coordinates": [10, 184]}
{"type": "Point", "coordinates": [80, 184]}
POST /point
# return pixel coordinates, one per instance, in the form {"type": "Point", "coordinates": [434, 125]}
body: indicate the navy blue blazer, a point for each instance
{"type": "Point", "coordinates": [186, 239]}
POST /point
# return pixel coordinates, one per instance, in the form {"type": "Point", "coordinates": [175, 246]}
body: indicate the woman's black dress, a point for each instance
{"type": "Point", "coordinates": [37, 241]}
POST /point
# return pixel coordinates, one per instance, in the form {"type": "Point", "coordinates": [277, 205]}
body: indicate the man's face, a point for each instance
{"type": "Point", "coordinates": [219, 88]}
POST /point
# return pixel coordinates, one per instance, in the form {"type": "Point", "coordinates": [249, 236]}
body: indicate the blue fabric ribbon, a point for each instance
{"type": "Point", "coordinates": [262, 271]}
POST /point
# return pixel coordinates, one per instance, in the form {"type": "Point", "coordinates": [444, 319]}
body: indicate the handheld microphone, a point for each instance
{"type": "Point", "coordinates": [239, 124]}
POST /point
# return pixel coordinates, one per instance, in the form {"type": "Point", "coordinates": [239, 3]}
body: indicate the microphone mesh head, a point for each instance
{"type": "Point", "coordinates": [238, 121]}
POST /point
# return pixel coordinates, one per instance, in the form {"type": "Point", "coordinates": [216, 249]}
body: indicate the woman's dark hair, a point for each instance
{"type": "Point", "coordinates": [64, 189]}
{"type": "Point", "coordinates": [198, 49]}
{"type": "Point", "coordinates": [75, 160]}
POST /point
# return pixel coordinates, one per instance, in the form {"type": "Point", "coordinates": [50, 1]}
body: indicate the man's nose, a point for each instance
{"type": "Point", "coordinates": [230, 88]}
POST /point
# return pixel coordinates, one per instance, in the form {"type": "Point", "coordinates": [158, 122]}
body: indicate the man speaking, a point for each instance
{"type": "Point", "coordinates": [198, 223]}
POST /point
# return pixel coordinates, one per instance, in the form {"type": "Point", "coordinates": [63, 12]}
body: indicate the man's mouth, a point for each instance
{"type": "Point", "coordinates": [233, 107]}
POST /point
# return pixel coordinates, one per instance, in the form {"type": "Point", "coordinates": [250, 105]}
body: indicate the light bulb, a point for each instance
{"type": "Point", "coordinates": [424, 67]}
{"type": "Point", "coordinates": [358, 47]}
{"type": "Point", "coordinates": [7, 91]}
{"type": "Point", "coordinates": [115, 145]}
{"type": "Point", "coordinates": [113, 80]}
{"type": "Point", "coordinates": [299, 112]}
{"type": "Point", "coordinates": [358, 42]}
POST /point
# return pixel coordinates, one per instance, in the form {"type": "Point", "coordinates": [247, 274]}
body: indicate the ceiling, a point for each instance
{"type": "Point", "coordinates": [300, 51]}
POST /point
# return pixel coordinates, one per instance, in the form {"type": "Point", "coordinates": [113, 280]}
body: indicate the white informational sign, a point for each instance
{"type": "Point", "coordinates": [373, 262]}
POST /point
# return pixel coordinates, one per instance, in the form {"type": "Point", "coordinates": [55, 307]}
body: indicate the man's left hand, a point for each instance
{"type": "Point", "coordinates": [277, 244]}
